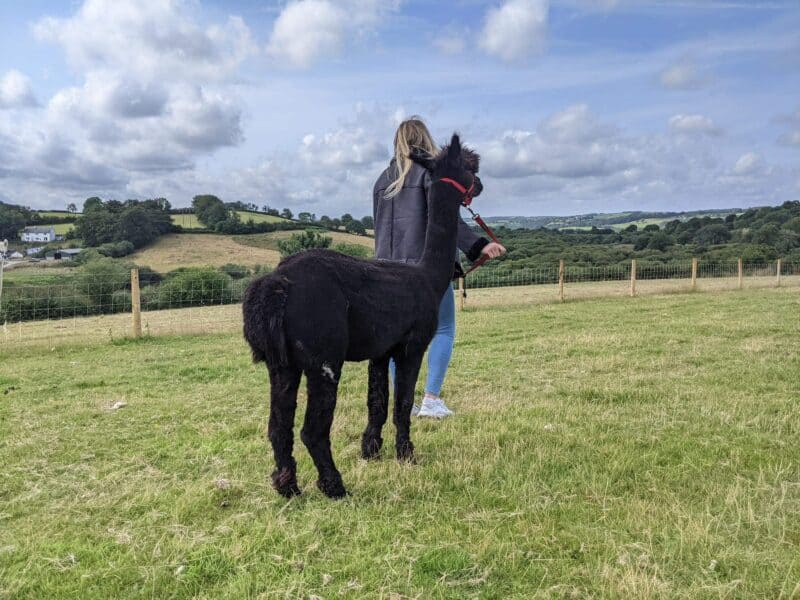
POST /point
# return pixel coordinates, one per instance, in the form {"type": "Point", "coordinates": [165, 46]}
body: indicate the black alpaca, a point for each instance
{"type": "Point", "coordinates": [320, 308]}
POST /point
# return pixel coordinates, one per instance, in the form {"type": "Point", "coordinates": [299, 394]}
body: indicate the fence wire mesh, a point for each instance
{"type": "Point", "coordinates": [45, 306]}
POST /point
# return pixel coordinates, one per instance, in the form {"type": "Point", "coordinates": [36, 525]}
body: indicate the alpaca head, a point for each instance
{"type": "Point", "coordinates": [453, 161]}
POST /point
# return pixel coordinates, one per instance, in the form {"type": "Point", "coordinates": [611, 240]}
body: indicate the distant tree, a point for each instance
{"type": "Point", "coordinates": [209, 209]}
{"type": "Point", "coordinates": [356, 227]}
{"type": "Point", "coordinates": [768, 234]}
{"type": "Point", "coordinates": [286, 213]}
{"type": "Point", "coordinates": [91, 204]}
{"type": "Point", "coordinates": [12, 220]}
{"type": "Point", "coordinates": [72, 208]}
{"type": "Point", "coordinates": [631, 228]}
{"type": "Point", "coordinates": [368, 222]}
{"type": "Point", "coordinates": [660, 241]}
{"type": "Point", "coordinates": [651, 227]}
{"type": "Point", "coordinates": [346, 218]}
{"type": "Point", "coordinates": [711, 235]}
{"type": "Point", "coordinates": [325, 221]}
{"type": "Point", "coordinates": [731, 218]}
{"type": "Point", "coordinates": [793, 225]}
{"type": "Point", "coordinates": [305, 217]}
{"type": "Point", "coordinates": [96, 226]}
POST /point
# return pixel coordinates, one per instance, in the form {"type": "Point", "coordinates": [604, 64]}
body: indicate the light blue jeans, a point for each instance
{"type": "Point", "coordinates": [441, 347]}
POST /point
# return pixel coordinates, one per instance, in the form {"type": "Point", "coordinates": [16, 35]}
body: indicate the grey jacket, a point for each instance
{"type": "Point", "coordinates": [400, 222]}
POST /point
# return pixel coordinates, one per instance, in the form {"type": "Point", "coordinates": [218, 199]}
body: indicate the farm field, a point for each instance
{"type": "Point", "coordinates": [189, 221]}
{"type": "Point", "coordinates": [615, 448]}
{"type": "Point", "coordinates": [176, 250]}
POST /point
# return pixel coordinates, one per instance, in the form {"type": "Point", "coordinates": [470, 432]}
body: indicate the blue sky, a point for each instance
{"type": "Point", "coordinates": [575, 105]}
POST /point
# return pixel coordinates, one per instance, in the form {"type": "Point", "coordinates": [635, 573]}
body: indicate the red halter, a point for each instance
{"type": "Point", "coordinates": [466, 201]}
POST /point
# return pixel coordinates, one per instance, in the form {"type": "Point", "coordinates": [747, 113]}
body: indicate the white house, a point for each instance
{"type": "Point", "coordinates": [39, 234]}
{"type": "Point", "coordinates": [15, 256]}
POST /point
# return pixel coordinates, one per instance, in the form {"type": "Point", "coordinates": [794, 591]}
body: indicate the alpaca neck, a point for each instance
{"type": "Point", "coordinates": [440, 237]}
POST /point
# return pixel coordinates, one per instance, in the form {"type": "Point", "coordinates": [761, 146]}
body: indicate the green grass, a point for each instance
{"type": "Point", "coordinates": [63, 228]}
{"type": "Point", "coordinates": [189, 221]}
{"type": "Point", "coordinates": [620, 448]}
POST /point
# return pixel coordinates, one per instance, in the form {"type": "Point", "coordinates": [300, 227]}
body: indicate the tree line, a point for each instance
{"type": "Point", "coordinates": [757, 235]}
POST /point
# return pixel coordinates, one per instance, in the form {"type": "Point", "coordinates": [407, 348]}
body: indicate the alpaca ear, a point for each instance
{"type": "Point", "coordinates": [454, 151]}
{"type": "Point", "coordinates": [422, 158]}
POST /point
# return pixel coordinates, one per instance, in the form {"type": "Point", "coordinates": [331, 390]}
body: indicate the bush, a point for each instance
{"type": "Point", "coordinates": [235, 271]}
{"type": "Point", "coordinates": [99, 279]}
{"type": "Point", "coordinates": [356, 250]}
{"type": "Point", "coordinates": [116, 249]}
{"type": "Point", "coordinates": [307, 240]}
{"type": "Point", "coordinates": [191, 287]}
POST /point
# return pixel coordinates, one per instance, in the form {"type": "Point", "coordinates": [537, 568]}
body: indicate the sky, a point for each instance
{"type": "Point", "coordinates": [575, 106]}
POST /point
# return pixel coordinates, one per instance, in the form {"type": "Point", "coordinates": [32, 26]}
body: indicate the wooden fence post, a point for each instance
{"type": "Point", "coordinates": [462, 296]}
{"type": "Point", "coordinates": [778, 273]}
{"type": "Point", "coordinates": [561, 280]}
{"type": "Point", "coordinates": [741, 274]}
{"type": "Point", "coordinates": [633, 278]}
{"type": "Point", "coordinates": [694, 274]}
{"type": "Point", "coordinates": [136, 304]}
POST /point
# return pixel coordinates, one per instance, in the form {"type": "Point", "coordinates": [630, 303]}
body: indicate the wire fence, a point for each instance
{"type": "Point", "coordinates": [71, 306]}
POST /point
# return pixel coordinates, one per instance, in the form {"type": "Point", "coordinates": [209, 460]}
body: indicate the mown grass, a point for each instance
{"type": "Point", "coordinates": [620, 448]}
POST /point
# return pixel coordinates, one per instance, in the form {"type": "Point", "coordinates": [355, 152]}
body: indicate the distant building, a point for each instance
{"type": "Point", "coordinates": [15, 256]}
{"type": "Point", "coordinates": [33, 250]}
{"type": "Point", "coordinates": [39, 234]}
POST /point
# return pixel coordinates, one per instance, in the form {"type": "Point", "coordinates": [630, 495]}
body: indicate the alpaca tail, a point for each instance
{"type": "Point", "coordinates": [264, 308]}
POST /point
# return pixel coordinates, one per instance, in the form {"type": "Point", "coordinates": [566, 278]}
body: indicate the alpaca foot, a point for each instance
{"type": "Point", "coordinates": [332, 486]}
{"type": "Point", "coordinates": [405, 452]}
{"type": "Point", "coordinates": [371, 447]}
{"type": "Point", "coordinates": [285, 482]}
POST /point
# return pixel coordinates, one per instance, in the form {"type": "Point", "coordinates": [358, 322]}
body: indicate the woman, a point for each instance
{"type": "Point", "coordinates": [400, 210]}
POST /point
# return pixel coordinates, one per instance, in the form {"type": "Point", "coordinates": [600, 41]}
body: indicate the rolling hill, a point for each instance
{"type": "Point", "coordinates": [617, 221]}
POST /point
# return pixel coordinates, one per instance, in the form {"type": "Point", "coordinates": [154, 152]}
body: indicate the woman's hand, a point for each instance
{"type": "Point", "coordinates": [493, 250]}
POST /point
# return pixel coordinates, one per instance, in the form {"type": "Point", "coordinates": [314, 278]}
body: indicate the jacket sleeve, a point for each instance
{"type": "Point", "coordinates": [469, 242]}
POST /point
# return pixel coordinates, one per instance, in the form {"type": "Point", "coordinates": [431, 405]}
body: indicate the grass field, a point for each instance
{"type": "Point", "coordinates": [190, 221]}
{"type": "Point", "coordinates": [186, 249]}
{"type": "Point", "coordinates": [618, 448]}
{"type": "Point", "coordinates": [176, 250]}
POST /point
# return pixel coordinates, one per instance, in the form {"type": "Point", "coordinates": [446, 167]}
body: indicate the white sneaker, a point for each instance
{"type": "Point", "coordinates": [434, 408]}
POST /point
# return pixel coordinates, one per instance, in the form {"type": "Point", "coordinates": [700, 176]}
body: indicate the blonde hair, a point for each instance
{"type": "Point", "coordinates": [411, 133]}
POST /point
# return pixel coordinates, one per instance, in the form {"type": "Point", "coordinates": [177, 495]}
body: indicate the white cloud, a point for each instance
{"type": "Point", "coordinates": [451, 41]}
{"type": "Point", "coordinates": [16, 91]}
{"type": "Point", "coordinates": [749, 163]}
{"type": "Point", "coordinates": [148, 39]}
{"type": "Point", "coordinates": [571, 143]}
{"type": "Point", "coordinates": [516, 29]}
{"type": "Point", "coordinates": [693, 124]}
{"type": "Point", "coordinates": [343, 148]}
{"type": "Point", "coordinates": [682, 75]}
{"type": "Point", "coordinates": [156, 92]}
{"type": "Point", "coordinates": [791, 137]}
{"type": "Point", "coordinates": [307, 30]}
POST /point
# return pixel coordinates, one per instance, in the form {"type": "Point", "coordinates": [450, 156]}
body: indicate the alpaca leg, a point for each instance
{"type": "Point", "coordinates": [377, 407]}
{"type": "Point", "coordinates": [284, 382]}
{"type": "Point", "coordinates": [407, 371]}
{"type": "Point", "coordinates": [316, 432]}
